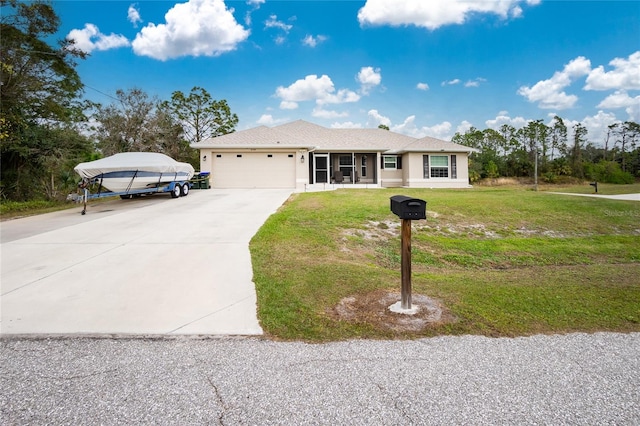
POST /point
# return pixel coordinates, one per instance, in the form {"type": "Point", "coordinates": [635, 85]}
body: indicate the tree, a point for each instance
{"type": "Point", "coordinates": [579, 140]}
{"type": "Point", "coordinates": [138, 122]}
{"type": "Point", "coordinates": [126, 126]}
{"type": "Point", "coordinates": [626, 134]}
{"type": "Point", "coordinates": [383, 127]}
{"type": "Point", "coordinates": [558, 135]}
{"type": "Point", "coordinates": [201, 116]}
{"type": "Point", "coordinates": [40, 91]}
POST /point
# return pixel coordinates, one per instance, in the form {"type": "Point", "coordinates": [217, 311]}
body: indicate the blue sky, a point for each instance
{"type": "Point", "coordinates": [421, 67]}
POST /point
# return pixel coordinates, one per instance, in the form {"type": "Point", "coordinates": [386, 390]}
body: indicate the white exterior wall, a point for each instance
{"type": "Point", "coordinates": [414, 173]}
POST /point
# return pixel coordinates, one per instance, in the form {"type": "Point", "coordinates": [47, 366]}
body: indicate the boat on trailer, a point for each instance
{"type": "Point", "coordinates": [130, 174]}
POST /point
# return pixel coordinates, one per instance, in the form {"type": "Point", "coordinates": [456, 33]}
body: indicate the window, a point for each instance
{"type": "Point", "coordinates": [363, 167]}
{"type": "Point", "coordinates": [390, 162]}
{"type": "Point", "coordinates": [346, 164]}
{"type": "Point", "coordinates": [439, 166]}
{"type": "Point", "coordinates": [345, 160]}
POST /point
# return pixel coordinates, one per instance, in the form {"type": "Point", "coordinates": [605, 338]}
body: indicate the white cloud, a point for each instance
{"type": "Point", "coordinates": [133, 15]}
{"type": "Point", "coordinates": [463, 127]}
{"type": "Point", "coordinates": [268, 120]}
{"type": "Point", "coordinates": [312, 41]}
{"type": "Point", "coordinates": [375, 119]}
{"type": "Point", "coordinates": [409, 128]}
{"type": "Point", "coordinates": [450, 82]}
{"type": "Point", "coordinates": [311, 88]}
{"type": "Point", "coordinates": [440, 131]}
{"type": "Point", "coordinates": [422, 86]}
{"type": "Point", "coordinates": [368, 77]}
{"type": "Point", "coordinates": [90, 38]}
{"type": "Point", "coordinates": [619, 99]}
{"type": "Point", "coordinates": [475, 83]}
{"type": "Point", "coordinates": [323, 113]}
{"type": "Point", "coordinates": [256, 5]}
{"type": "Point", "coordinates": [550, 94]}
{"type": "Point", "coordinates": [634, 112]}
{"type": "Point", "coordinates": [273, 22]}
{"type": "Point", "coordinates": [624, 76]}
{"type": "Point", "coordinates": [346, 125]}
{"type": "Point", "coordinates": [194, 28]}
{"type": "Point", "coordinates": [433, 14]}
{"type": "Point", "coordinates": [342, 96]}
{"type": "Point", "coordinates": [503, 118]}
{"type": "Point", "coordinates": [265, 119]}
{"type": "Point", "coordinates": [596, 125]}
{"type": "Point", "coordinates": [288, 105]}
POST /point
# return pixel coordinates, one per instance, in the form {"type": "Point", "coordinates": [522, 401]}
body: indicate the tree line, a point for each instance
{"type": "Point", "coordinates": [560, 152]}
{"type": "Point", "coordinates": [46, 128]}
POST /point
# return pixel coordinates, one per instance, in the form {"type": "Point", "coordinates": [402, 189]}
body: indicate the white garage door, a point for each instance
{"type": "Point", "coordinates": [253, 170]}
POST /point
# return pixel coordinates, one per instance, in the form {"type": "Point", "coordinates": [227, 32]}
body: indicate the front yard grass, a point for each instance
{"type": "Point", "coordinates": [503, 261]}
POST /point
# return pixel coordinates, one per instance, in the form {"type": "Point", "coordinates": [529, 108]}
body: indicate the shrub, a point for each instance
{"type": "Point", "coordinates": [608, 172]}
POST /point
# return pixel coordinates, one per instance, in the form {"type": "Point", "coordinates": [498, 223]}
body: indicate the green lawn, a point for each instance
{"type": "Point", "coordinates": [503, 261]}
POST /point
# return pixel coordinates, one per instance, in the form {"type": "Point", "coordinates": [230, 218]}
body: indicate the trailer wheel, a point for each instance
{"type": "Point", "coordinates": [126, 196]}
{"type": "Point", "coordinates": [177, 190]}
{"type": "Point", "coordinates": [185, 189]}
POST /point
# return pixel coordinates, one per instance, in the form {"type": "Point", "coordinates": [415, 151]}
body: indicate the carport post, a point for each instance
{"type": "Point", "coordinates": [405, 290]}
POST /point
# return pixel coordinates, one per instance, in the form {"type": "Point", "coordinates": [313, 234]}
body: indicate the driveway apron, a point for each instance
{"type": "Point", "coordinates": [170, 266]}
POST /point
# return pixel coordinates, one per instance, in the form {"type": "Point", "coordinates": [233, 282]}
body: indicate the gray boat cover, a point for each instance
{"type": "Point", "coordinates": [134, 161]}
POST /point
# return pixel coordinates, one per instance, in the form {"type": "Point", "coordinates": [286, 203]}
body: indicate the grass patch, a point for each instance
{"type": "Point", "coordinates": [13, 209]}
{"type": "Point", "coordinates": [503, 261]}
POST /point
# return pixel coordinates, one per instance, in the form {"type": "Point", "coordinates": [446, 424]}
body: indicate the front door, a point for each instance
{"type": "Point", "coordinates": [321, 168]}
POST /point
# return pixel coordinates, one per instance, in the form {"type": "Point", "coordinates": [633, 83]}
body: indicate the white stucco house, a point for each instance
{"type": "Point", "coordinates": [304, 156]}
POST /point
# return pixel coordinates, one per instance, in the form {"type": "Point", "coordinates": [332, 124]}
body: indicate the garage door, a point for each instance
{"type": "Point", "coordinates": [253, 170]}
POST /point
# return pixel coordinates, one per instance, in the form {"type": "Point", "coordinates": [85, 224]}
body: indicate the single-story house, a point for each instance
{"type": "Point", "coordinates": [304, 156]}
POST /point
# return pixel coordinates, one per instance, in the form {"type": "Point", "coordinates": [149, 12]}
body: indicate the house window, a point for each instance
{"type": "Point", "coordinates": [439, 166]}
{"type": "Point", "coordinates": [346, 164]}
{"type": "Point", "coordinates": [363, 167]}
{"type": "Point", "coordinates": [390, 162]}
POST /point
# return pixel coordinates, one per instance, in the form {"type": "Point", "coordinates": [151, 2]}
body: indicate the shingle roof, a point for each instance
{"type": "Point", "coordinates": [429, 144]}
{"type": "Point", "coordinates": [302, 134]}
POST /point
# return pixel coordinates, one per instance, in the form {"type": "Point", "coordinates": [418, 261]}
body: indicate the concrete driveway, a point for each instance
{"type": "Point", "coordinates": [146, 266]}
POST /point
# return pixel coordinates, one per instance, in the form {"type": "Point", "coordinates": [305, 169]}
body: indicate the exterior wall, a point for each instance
{"type": "Point", "coordinates": [302, 169]}
{"type": "Point", "coordinates": [254, 169]}
{"type": "Point", "coordinates": [411, 174]}
{"type": "Point", "coordinates": [391, 178]}
{"type": "Point", "coordinates": [414, 177]}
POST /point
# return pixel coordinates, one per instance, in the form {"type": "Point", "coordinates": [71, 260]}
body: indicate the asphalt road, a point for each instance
{"type": "Point", "coordinates": [575, 379]}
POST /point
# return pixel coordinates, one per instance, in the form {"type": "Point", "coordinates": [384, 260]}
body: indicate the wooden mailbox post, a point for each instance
{"type": "Point", "coordinates": [407, 209]}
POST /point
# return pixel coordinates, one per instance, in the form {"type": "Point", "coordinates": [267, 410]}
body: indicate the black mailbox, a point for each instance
{"type": "Point", "coordinates": [408, 208]}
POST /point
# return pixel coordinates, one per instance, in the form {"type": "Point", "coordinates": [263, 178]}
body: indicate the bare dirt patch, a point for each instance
{"type": "Point", "coordinates": [373, 308]}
